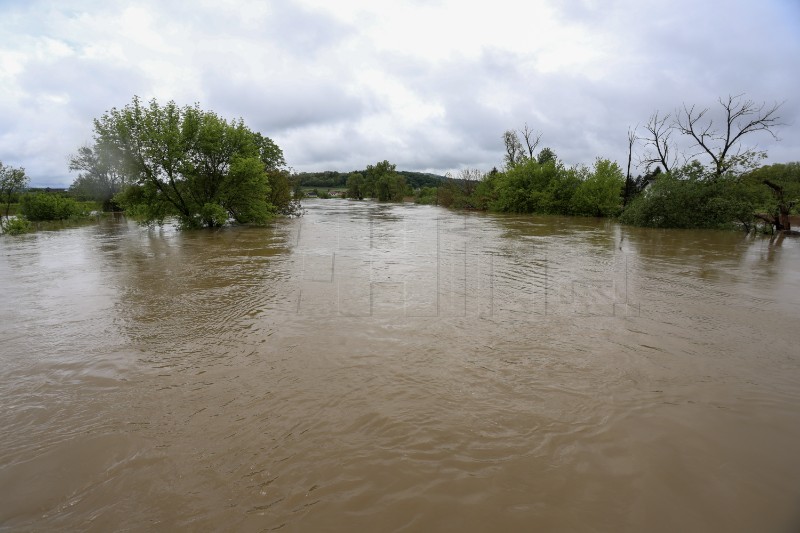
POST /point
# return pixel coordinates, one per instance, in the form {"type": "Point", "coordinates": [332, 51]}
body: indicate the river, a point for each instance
{"type": "Point", "coordinates": [373, 367]}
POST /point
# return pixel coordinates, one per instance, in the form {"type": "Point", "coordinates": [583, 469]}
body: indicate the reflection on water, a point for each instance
{"type": "Point", "coordinates": [385, 367]}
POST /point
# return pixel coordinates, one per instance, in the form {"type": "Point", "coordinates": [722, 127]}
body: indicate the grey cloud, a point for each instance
{"type": "Point", "coordinates": [92, 87]}
{"type": "Point", "coordinates": [286, 74]}
{"type": "Point", "coordinates": [284, 104]}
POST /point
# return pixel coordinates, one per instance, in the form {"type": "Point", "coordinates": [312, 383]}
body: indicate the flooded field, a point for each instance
{"type": "Point", "coordinates": [399, 368]}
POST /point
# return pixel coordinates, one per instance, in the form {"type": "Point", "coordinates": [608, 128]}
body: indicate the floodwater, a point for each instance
{"type": "Point", "coordinates": [399, 368]}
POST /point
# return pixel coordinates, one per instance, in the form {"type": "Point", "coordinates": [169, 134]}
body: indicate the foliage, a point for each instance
{"type": "Point", "coordinates": [691, 197]}
{"type": "Point", "coordinates": [12, 182]}
{"type": "Point", "coordinates": [280, 191]}
{"type": "Point", "coordinates": [786, 175]}
{"type": "Point", "coordinates": [16, 226]}
{"type": "Point", "coordinates": [44, 206]}
{"type": "Point", "coordinates": [417, 180]}
{"type": "Point", "coordinates": [599, 194]}
{"type": "Point", "coordinates": [783, 183]}
{"type": "Point", "coordinates": [189, 163]}
{"type": "Point", "coordinates": [426, 196]}
{"type": "Point", "coordinates": [531, 187]}
{"type": "Point", "coordinates": [355, 186]}
{"type": "Point", "coordinates": [546, 155]}
{"type": "Point", "coordinates": [333, 179]}
{"type": "Point", "coordinates": [99, 179]}
{"type": "Point", "coordinates": [514, 151]}
{"type": "Point", "coordinates": [451, 194]}
{"type": "Point", "coordinates": [381, 181]}
{"type": "Point", "coordinates": [486, 191]}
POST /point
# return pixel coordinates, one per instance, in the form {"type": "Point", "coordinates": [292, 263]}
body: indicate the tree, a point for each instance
{"type": "Point", "coordinates": [689, 197]}
{"type": "Point", "coordinates": [532, 140]}
{"type": "Point", "coordinates": [533, 187]}
{"type": "Point", "coordinates": [630, 186]}
{"type": "Point", "coordinates": [355, 186]}
{"type": "Point", "coordinates": [722, 142]}
{"type": "Point", "coordinates": [659, 130]}
{"type": "Point", "coordinates": [514, 150]}
{"type": "Point", "coordinates": [381, 181]}
{"type": "Point", "coordinates": [100, 179]}
{"type": "Point", "coordinates": [599, 194]}
{"type": "Point", "coordinates": [12, 182]}
{"type": "Point", "coordinates": [281, 192]}
{"type": "Point", "coordinates": [546, 155]}
{"type": "Point", "coordinates": [783, 182]}
{"type": "Point", "coordinates": [188, 162]}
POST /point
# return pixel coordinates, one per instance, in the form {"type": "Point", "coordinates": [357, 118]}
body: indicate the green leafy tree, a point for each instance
{"type": "Point", "coordinates": [12, 182]}
{"type": "Point", "coordinates": [486, 190]}
{"type": "Point", "coordinates": [280, 191]}
{"type": "Point", "coordinates": [600, 194]}
{"type": "Point", "coordinates": [546, 155]}
{"type": "Point", "coordinates": [776, 189]}
{"type": "Point", "coordinates": [355, 186]}
{"type": "Point", "coordinates": [426, 196]}
{"type": "Point", "coordinates": [381, 181]}
{"type": "Point", "coordinates": [692, 197]}
{"type": "Point", "coordinates": [531, 187]}
{"type": "Point", "coordinates": [189, 163]}
{"type": "Point", "coordinates": [515, 153]}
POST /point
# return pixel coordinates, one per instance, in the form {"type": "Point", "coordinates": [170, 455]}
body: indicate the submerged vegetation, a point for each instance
{"type": "Point", "coordinates": [721, 186]}
{"type": "Point", "coordinates": [156, 162]}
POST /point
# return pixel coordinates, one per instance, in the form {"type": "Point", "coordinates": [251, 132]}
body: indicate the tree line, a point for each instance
{"type": "Point", "coordinates": [157, 161]}
{"type": "Point", "coordinates": [334, 179]}
{"type": "Point", "coordinates": [713, 179]}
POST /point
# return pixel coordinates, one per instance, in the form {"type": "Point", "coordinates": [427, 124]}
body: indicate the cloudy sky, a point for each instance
{"type": "Point", "coordinates": [427, 84]}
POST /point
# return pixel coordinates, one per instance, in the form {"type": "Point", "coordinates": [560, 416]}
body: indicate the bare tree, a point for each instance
{"type": "Point", "coordinates": [532, 139]}
{"type": "Point", "coordinates": [631, 141]}
{"type": "Point", "coordinates": [722, 142]}
{"type": "Point", "coordinates": [628, 181]}
{"type": "Point", "coordinates": [470, 177]}
{"type": "Point", "coordinates": [659, 131]}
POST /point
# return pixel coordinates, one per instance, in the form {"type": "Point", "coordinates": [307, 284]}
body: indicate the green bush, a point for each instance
{"type": "Point", "coordinates": [426, 196]}
{"type": "Point", "coordinates": [685, 200]}
{"type": "Point", "coordinates": [43, 206]}
{"type": "Point", "coordinates": [16, 226]}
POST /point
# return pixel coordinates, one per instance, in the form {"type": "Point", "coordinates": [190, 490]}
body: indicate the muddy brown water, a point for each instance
{"type": "Point", "coordinates": [399, 368]}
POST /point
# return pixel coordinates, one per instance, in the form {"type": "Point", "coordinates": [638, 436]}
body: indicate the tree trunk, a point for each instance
{"type": "Point", "coordinates": [782, 222]}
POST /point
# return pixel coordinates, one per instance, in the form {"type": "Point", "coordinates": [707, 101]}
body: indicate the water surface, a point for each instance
{"type": "Point", "coordinates": [399, 368]}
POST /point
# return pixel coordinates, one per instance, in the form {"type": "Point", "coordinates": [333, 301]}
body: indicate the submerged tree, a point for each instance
{"type": "Point", "coordinates": [12, 182]}
{"type": "Point", "coordinates": [189, 163]}
{"type": "Point", "coordinates": [355, 186]}
{"type": "Point", "coordinates": [99, 179]}
{"type": "Point", "coordinates": [783, 182]}
{"type": "Point", "coordinates": [381, 181]}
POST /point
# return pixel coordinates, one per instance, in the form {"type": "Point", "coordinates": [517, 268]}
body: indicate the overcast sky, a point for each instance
{"type": "Point", "coordinates": [429, 85]}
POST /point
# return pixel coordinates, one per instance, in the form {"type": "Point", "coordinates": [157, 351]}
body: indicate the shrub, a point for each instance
{"type": "Point", "coordinates": [17, 226]}
{"type": "Point", "coordinates": [42, 206]}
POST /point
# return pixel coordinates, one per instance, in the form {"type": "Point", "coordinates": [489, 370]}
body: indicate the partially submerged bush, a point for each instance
{"type": "Point", "coordinates": [42, 206]}
{"type": "Point", "coordinates": [16, 226]}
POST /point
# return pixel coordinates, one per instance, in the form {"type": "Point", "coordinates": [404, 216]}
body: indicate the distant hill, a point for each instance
{"type": "Point", "coordinates": [332, 178]}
